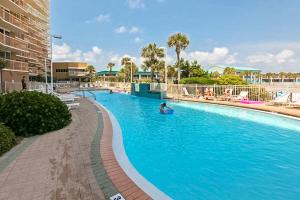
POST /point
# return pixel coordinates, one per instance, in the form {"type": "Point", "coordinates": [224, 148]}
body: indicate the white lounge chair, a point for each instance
{"type": "Point", "coordinates": [281, 100]}
{"type": "Point", "coordinates": [295, 100]}
{"type": "Point", "coordinates": [73, 105]}
{"type": "Point", "coordinates": [66, 98]}
{"type": "Point", "coordinates": [242, 96]}
{"type": "Point", "coordinates": [185, 92]}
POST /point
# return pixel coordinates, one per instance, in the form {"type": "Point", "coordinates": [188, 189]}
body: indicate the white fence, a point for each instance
{"type": "Point", "coordinates": [17, 86]}
{"type": "Point", "coordinates": [254, 92]}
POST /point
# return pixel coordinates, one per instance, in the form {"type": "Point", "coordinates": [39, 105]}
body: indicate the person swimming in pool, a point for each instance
{"type": "Point", "coordinates": [164, 108]}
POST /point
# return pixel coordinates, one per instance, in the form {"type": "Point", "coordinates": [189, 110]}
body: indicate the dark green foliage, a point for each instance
{"type": "Point", "coordinates": [7, 139]}
{"type": "Point", "coordinates": [33, 113]}
{"type": "Point", "coordinates": [191, 69]}
{"type": "Point", "coordinates": [198, 80]}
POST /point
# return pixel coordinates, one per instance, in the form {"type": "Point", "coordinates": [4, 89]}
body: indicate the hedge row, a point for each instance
{"type": "Point", "coordinates": [33, 113]}
{"type": "Point", "coordinates": [7, 139]}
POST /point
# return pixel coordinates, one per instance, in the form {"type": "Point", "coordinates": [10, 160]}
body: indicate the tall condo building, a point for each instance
{"type": "Point", "coordinates": [24, 38]}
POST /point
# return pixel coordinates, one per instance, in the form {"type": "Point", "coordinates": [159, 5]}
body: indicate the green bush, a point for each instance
{"type": "Point", "coordinates": [7, 139]}
{"type": "Point", "coordinates": [198, 80]}
{"type": "Point", "coordinates": [33, 113]}
{"type": "Point", "coordinates": [231, 80]}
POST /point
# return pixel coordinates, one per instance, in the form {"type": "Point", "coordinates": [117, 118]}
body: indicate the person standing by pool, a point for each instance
{"type": "Point", "coordinates": [24, 86]}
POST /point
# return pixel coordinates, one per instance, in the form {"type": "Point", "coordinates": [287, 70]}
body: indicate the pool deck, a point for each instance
{"type": "Point", "coordinates": [78, 161]}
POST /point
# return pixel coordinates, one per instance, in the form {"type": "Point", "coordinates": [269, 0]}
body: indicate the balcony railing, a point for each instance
{"type": "Point", "coordinates": [36, 13]}
{"type": "Point", "coordinates": [33, 70]}
{"type": "Point", "coordinates": [9, 18]}
{"type": "Point", "coordinates": [34, 48]}
{"type": "Point", "coordinates": [28, 55]}
{"type": "Point", "coordinates": [13, 42]}
{"type": "Point", "coordinates": [19, 2]}
{"type": "Point", "coordinates": [16, 65]}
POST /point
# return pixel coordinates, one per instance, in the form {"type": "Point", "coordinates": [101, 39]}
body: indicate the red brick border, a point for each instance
{"type": "Point", "coordinates": [128, 189]}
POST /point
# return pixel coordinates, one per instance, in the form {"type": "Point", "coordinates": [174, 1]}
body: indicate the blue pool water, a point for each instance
{"type": "Point", "coordinates": [210, 152]}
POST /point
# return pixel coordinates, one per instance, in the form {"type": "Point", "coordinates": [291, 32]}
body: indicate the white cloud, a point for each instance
{"type": "Point", "coordinates": [136, 4]}
{"type": "Point", "coordinates": [219, 55]}
{"type": "Point", "coordinates": [118, 58]}
{"type": "Point", "coordinates": [284, 60]}
{"type": "Point", "coordinates": [284, 57]}
{"type": "Point", "coordinates": [269, 46]}
{"type": "Point", "coordinates": [100, 18]}
{"type": "Point", "coordinates": [65, 53]}
{"type": "Point", "coordinates": [134, 29]}
{"type": "Point", "coordinates": [92, 56]}
{"type": "Point", "coordinates": [124, 29]}
{"type": "Point", "coordinates": [137, 40]}
{"type": "Point", "coordinates": [121, 29]}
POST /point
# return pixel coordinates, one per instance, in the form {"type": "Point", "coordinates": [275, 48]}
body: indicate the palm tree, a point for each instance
{"type": "Point", "coordinates": [180, 42]}
{"type": "Point", "coordinates": [270, 75]}
{"type": "Point", "coordinates": [110, 66]}
{"type": "Point", "coordinates": [128, 67]}
{"type": "Point", "coordinates": [215, 75]}
{"type": "Point", "coordinates": [153, 55]}
{"type": "Point", "coordinates": [159, 68]}
{"type": "Point", "coordinates": [171, 71]}
{"type": "Point", "coordinates": [282, 75]}
{"type": "Point", "coordinates": [91, 71]}
{"type": "Point", "coordinates": [229, 71]}
{"type": "Point", "coordinates": [3, 64]}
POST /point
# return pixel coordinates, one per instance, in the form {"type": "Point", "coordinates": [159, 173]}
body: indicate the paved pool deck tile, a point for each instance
{"type": "Point", "coordinates": [56, 165]}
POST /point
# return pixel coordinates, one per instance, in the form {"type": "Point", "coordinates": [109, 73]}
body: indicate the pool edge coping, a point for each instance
{"type": "Point", "coordinates": [115, 142]}
{"type": "Point", "coordinates": [241, 106]}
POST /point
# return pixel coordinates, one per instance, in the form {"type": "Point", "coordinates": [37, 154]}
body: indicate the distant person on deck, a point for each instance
{"type": "Point", "coordinates": [24, 86]}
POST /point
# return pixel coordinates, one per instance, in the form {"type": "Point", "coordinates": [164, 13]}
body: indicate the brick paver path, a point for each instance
{"type": "Point", "coordinates": [56, 165]}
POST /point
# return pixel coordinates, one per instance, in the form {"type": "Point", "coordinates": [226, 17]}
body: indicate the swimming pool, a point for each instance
{"type": "Point", "coordinates": [209, 152]}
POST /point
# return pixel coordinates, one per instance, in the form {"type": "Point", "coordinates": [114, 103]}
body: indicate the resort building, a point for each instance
{"type": "Point", "coordinates": [24, 38]}
{"type": "Point", "coordinates": [248, 73]}
{"type": "Point", "coordinates": [280, 80]}
{"type": "Point", "coordinates": [69, 71]}
{"type": "Point", "coordinates": [137, 76]}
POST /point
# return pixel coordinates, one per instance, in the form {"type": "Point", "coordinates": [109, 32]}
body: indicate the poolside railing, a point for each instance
{"type": "Point", "coordinates": [258, 93]}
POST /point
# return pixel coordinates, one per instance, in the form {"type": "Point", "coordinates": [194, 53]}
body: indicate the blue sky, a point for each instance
{"type": "Point", "coordinates": [257, 33]}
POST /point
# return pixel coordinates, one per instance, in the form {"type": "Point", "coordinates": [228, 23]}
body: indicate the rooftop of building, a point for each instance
{"type": "Point", "coordinates": [66, 62]}
{"type": "Point", "coordinates": [239, 69]}
{"type": "Point", "coordinates": [106, 72]}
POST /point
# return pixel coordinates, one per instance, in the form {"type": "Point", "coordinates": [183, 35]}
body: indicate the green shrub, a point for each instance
{"type": "Point", "coordinates": [33, 113]}
{"type": "Point", "coordinates": [198, 80]}
{"type": "Point", "coordinates": [7, 139]}
{"type": "Point", "coordinates": [231, 80]}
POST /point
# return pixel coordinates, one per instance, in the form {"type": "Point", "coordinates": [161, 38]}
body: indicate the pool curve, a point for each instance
{"type": "Point", "coordinates": [128, 167]}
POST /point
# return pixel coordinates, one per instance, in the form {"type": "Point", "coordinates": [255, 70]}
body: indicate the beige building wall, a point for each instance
{"type": "Point", "coordinates": [24, 38]}
{"type": "Point", "coordinates": [69, 71]}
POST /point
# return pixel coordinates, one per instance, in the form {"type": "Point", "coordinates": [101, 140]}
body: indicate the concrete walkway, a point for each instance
{"type": "Point", "coordinates": [56, 165]}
